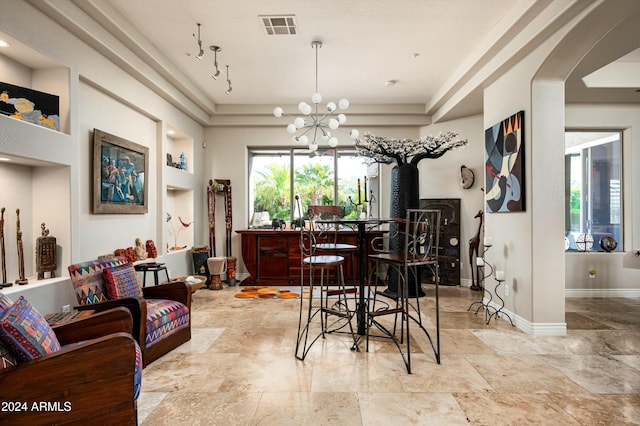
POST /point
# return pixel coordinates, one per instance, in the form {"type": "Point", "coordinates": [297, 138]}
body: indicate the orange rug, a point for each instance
{"type": "Point", "coordinates": [264, 292]}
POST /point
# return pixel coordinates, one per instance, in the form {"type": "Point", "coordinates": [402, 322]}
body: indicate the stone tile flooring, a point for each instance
{"type": "Point", "coordinates": [239, 369]}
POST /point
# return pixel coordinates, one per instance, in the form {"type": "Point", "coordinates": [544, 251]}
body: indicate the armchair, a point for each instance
{"type": "Point", "coordinates": [161, 314]}
{"type": "Point", "coordinates": [94, 378]}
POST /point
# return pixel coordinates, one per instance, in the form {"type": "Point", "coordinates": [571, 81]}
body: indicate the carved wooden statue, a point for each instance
{"type": "Point", "coordinates": [46, 254]}
{"type": "Point", "coordinates": [22, 279]}
{"type": "Point", "coordinates": [474, 246]}
{"type": "Point", "coordinates": [3, 253]}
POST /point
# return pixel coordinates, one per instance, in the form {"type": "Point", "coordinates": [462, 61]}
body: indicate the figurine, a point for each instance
{"type": "Point", "coordinates": [141, 252]}
{"type": "Point", "coordinates": [46, 254]}
{"type": "Point", "coordinates": [152, 252]}
{"type": "Point", "coordinates": [3, 253]}
{"type": "Point", "coordinates": [21, 280]}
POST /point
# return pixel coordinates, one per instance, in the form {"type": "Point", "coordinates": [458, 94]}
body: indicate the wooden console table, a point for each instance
{"type": "Point", "coordinates": [272, 257]}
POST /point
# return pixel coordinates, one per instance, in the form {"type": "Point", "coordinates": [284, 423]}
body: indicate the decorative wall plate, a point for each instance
{"type": "Point", "coordinates": [467, 177]}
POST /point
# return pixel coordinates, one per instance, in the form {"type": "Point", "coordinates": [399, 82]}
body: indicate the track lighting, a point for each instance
{"type": "Point", "coordinates": [215, 49]}
{"type": "Point", "coordinates": [201, 52]}
{"type": "Point", "coordinates": [228, 91]}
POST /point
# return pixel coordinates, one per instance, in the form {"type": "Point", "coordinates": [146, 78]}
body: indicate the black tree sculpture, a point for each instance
{"type": "Point", "coordinates": [405, 188]}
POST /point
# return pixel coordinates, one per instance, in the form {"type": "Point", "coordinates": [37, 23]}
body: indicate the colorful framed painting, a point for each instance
{"type": "Point", "coordinates": [119, 175]}
{"type": "Point", "coordinates": [504, 165]}
{"type": "Point", "coordinates": [30, 105]}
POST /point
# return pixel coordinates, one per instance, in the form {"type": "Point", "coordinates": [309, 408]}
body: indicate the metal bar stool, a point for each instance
{"type": "Point", "coordinates": [326, 305]}
{"type": "Point", "coordinates": [421, 242]}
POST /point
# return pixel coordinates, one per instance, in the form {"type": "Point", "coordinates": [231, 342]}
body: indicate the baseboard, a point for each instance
{"type": "Point", "coordinates": [526, 326]}
{"type": "Point", "coordinates": [465, 282]}
{"type": "Point", "coordinates": [602, 292]}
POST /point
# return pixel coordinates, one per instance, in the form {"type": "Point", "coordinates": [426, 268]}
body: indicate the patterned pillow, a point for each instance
{"type": "Point", "coordinates": [122, 281]}
{"type": "Point", "coordinates": [26, 331]}
{"type": "Point", "coordinates": [87, 281]}
{"type": "Point", "coordinates": [5, 302]}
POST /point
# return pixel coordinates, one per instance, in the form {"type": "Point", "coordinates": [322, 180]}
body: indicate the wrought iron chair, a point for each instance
{"type": "Point", "coordinates": [421, 241]}
{"type": "Point", "coordinates": [328, 239]}
{"type": "Point", "coordinates": [325, 304]}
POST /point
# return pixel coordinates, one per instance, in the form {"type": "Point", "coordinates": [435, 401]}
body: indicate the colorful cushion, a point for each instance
{"type": "Point", "coordinates": [27, 332]}
{"type": "Point", "coordinates": [164, 317]}
{"type": "Point", "coordinates": [122, 281]}
{"type": "Point", "coordinates": [87, 279]}
{"type": "Point", "coordinates": [5, 302]}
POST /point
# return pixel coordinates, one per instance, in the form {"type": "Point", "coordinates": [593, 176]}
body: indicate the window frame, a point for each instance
{"type": "Point", "coordinates": [581, 148]}
{"type": "Point", "coordinates": [292, 152]}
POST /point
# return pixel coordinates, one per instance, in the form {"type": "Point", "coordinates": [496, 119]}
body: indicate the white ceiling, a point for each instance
{"type": "Point", "coordinates": [419, 43]}
{"type": "Point", "coordinates": [424, 45]}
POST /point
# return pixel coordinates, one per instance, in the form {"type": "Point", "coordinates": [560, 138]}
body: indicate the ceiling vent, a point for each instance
{"type": "Point", "coordinates": [279, 25]}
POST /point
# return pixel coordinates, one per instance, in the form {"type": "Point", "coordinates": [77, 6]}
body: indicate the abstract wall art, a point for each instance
{"type": "Point", "coordinates": [30, 105]}
{"type": "Point", "coordinates": [504, 165]}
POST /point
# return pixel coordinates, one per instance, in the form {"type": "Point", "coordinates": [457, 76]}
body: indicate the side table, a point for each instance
{"type": "Point", "coordinates": [151, 267]}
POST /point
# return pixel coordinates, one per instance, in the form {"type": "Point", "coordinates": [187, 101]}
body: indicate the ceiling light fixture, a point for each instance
{"type": "Point", "coordinates": [215, 49]}
{"type": "Point", "coordinates": [321, 122]}
{"type": "Point", "coordinates": [4, 43]}
{"type": "Point", "coordinates": [228, 91]}
{"type": "Point", "coordinates": [201, 52]}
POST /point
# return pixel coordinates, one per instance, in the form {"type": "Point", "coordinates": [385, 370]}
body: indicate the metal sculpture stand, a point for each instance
{"type": "Point", "coordinates": [3, 253]}
{"type": "Point", "coordinates": [482, 304]}
{"type": "Point", "coordinates": [499, 311]}
{"type": "Point", "coordinates": [21, 280]}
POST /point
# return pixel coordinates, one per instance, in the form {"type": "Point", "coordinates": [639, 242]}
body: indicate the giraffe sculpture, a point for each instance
{"type": "Point", "coordinates": [474, 246]}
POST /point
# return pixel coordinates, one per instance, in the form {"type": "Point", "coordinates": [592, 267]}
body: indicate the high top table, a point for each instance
{"type": "Point", "coordinates": [364, 226]}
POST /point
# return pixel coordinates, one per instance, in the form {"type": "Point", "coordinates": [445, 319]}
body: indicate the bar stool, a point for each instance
{"type": "Point", "coordinates": [327, 239]}
{"type": "Point", "coordinates": [421, 242]}
{"type": "Point", "coordinates": [328, 306]}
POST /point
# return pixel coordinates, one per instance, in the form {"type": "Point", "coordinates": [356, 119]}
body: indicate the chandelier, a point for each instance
{"type": "Point", "coordinates": [317, 122]}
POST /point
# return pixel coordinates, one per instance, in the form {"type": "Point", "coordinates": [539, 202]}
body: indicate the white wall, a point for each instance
{"type": "Point", "coordinates": [439, 178]}
{"type": "Point", "coordinates": [524, 243]}
{"type": "Point", "coordinates": [98, 94]}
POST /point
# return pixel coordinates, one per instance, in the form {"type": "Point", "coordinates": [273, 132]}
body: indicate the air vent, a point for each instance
{"type": "Point", "coordinates": [279, 25]}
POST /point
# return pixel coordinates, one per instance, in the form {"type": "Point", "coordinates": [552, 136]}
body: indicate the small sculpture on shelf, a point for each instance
{"type": "Point", "coordinates": [152, 252]}
{"type": "Point", "coordinates": [3, 252]}
{"type": "Point", "coordinates": [22, 280]}
{"type": "Point", "coordinates": [180, 229]}
{"type": "Point", "coordinates": [46, 253]}
{"type": "Point", "coordinates": [141, 252]}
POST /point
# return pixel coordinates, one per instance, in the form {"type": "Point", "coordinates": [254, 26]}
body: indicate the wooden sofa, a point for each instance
{"type": "Point", "coordinates": [92, 379]}
{"type": "Point", "coordinates": [161, 314]}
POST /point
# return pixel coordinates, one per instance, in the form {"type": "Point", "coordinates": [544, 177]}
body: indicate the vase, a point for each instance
{"type": "Point", "coordinates": [404, 194]}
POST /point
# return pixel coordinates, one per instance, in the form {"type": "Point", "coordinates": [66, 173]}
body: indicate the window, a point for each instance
{"type": "Point", "coordinates": [324, 177]}
{"type": "Point", "coordinates": [593, 188]}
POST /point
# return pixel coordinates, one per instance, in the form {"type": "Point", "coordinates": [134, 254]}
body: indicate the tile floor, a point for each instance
{"type": "Point", "coordinates": [239, 369]}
